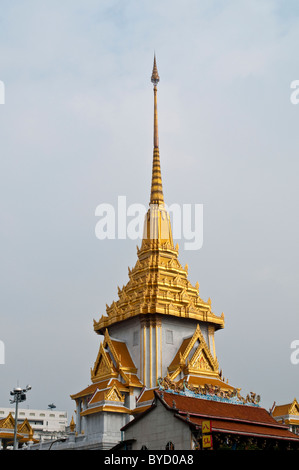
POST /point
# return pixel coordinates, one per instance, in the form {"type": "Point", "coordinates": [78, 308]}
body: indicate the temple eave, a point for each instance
{"type": "Point", "coordinates": [108, 408]}
{"type": "Point", "coordinates": [105, 322]}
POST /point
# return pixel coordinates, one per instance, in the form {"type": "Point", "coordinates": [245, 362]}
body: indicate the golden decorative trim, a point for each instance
{"type": "Point", "coordinates": [144, 353]}
{"type": "Point", "coordinates": [150, 354]}
{"type": "Point", "coordinates": [160, 349]}
{"type": "Point", "coordinates": [111, 408]}
{"type": "Point", "coordinates": [156, 340]}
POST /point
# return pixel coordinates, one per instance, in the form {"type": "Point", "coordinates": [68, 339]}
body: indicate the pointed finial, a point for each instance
{"type": "Point", "coordinates": [155, 76]}
{"type": "Point", "coordinates": [156, 189]}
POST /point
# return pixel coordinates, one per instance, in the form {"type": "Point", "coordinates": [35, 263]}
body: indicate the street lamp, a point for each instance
{"type": "Point", "coordinates": [61, 439]}
{"type": "Point", "coordinates": [19, 395]}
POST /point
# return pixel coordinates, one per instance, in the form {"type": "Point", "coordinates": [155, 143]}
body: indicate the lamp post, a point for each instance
{"type": "Point", "coordinates": [60, 439]}
{"type": "Point", "coordinates": [19, 395]}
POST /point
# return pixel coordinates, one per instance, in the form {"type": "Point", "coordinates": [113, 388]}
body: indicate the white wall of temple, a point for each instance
{"type": "Point", "coordinates": [125, 331]}
{"type": "Point", "coordinates": [153, 341]}
{"type": "Point", "coordinates": [105, 427]}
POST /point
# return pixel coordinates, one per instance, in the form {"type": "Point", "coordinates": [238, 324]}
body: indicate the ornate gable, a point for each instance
{"type": "Point", "coordinates": [25, 427]}
{"type": "Point", "coordinates": [189, 361]}
{"type": "Point", "coordinates": [120, 354]}
{"type": "Point", "coordinates": [8, 422]}
{"type": "Point", "coordinates": [114, 395]}
{"type": "Point", "coordinates": [201, 362]}
{"type": "Point", "coordinates": [294, 408]}
{"type": "Point", "coordinates": [107, 394]}
{"type": "Point", "coordinates": [103, 367]}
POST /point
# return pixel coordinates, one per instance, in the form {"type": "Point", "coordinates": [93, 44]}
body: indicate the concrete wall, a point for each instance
{"type": "Point", "coordinates": [105, 427]}
{"type": "Point", "coordinates": [124, 331]}
{"type": "Point", "coordinates": [157, 428]}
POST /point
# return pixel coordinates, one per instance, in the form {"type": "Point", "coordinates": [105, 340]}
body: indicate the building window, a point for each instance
{"type": "Point", "coordinates": [169, 336]}
{"type": "Point", "coordinates": [39, 423]}
{"type": "Point", "coordinates": [169, 446]}
{"type": "Point", "coordinates": [135, 338]}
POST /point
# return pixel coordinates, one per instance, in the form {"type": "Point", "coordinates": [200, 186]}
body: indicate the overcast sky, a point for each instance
{"type": "Point", "coordinates": [76, 132]}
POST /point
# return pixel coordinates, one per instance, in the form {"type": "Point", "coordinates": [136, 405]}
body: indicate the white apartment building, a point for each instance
{"type": "Point", "coordinates": [46, 424]}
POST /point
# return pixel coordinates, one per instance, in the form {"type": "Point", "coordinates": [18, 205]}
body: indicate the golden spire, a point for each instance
{"type": "Point", "coordinates": [157, 276]}
{"type": "Point", "coordinates": [156, 189]}
{"type": "Point", "coordinates": [72, 425]}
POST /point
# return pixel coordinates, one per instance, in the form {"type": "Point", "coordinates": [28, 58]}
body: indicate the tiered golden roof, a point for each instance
{"type": "Point", "coordinates": [158, 283]}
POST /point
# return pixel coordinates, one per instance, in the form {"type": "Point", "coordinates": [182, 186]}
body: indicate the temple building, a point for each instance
{"type": "Point", "coordinates": [288, 414]}
{"type": "Point", "coordinates": [24, 433]}
{"type": "Point", "coordinates": [157, 354]}
{"type": "Point", "coordinates": [159, 326]}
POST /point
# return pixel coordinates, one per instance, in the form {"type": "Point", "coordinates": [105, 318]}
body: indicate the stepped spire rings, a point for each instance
{"type": "Point", "coordinates": [155, 76]}
{"type": "Point", "coordinates": [156, 189]}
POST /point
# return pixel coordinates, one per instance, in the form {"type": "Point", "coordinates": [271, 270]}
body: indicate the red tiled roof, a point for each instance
{"type": "Point", "coordinates": [249, 429]}
{"type": "Point", "coordinates": [217, 409]}
{"type": "Point", "coordinates": [226, 417]}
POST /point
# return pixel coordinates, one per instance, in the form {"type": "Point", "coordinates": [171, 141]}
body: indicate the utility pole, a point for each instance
{"type": "Point", "coordinates": [19, 395]}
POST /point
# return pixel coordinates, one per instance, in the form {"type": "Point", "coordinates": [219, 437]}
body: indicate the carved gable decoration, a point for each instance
{"type": "Point", "coordinates": [200, 361]}
{"type": "Point", "coordinates": [193, 356]}
{"type": "Point", "coordinates": [8, 422]}
{"type": "Point", "coordinates": [25, 427]}
{"type": "Point", "coordinates": [294, 408]}
{"type": "Point", "coordinates": [103, 366]}
{"type": "Point", "coordinates": [114, 395]}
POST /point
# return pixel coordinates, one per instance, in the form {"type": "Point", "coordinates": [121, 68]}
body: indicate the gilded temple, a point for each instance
{"type": "Point", "coordinates": [158, 329]}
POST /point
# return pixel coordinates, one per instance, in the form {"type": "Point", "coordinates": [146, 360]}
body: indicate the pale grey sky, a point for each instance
{"type": "Point", "coordinates": [76, 131]}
